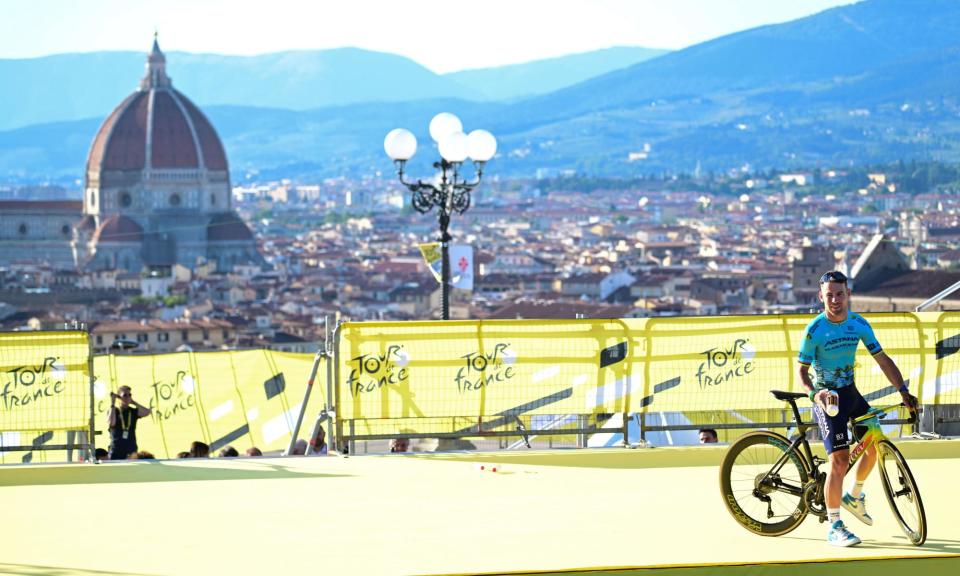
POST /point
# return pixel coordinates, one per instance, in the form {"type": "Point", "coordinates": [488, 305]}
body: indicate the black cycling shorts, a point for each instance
{"type": "Point", "coordinates": [834, 430]}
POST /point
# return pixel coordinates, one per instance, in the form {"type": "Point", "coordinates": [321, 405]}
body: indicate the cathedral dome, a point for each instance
{"type": "Point", "coordinates": [118, 229]}
{"type": "Point", "coordinates": [156, 128]}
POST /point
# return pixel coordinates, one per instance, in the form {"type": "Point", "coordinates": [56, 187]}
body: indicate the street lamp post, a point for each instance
{"type": "Point", "coordinates": [449, 192]}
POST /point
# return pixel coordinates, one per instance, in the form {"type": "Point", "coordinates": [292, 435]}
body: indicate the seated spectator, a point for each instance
{"type": "Point", "coordinates": [199, 450]}
{"type": "Point", "coordinates": [101, 454]}
{"type": "Point", "coordinates": [318, 444]}
{"type": "Point", "coordinates": [229, 452]}
{"type": "Point", "coordinates": [141, 455]}
{"type": "Point", "coordinates": [708, 436]}
{"type": "Point", "coordinates": [254, 451]}
{"type": "Point", "coordinates": [183, 454]}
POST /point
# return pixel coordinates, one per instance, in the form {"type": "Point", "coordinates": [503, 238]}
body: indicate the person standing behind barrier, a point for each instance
{"type": "Point", "coordinates": [122, 423]}
{"type": "Point", "coordinates": [708, 436]}
{"type": "Point", "coordinates": [830, 344]}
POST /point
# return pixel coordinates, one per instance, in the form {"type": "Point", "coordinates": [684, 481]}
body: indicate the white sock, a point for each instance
{"type": "Point", "coordinates": [857, 489]}
{"type": "Point", "coordinates": [833, 514]}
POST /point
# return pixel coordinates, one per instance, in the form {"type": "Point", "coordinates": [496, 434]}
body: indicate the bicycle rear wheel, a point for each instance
{"type": "Point", "coordinates": [902, 493]}
{"type": "Point", "coordinates": [761, 481]}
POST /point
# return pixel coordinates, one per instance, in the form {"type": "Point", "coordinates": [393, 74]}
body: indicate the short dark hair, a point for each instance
{"type": "Point", "coordinates": [708, 430]}
{"type": "Point", "coordinates": [833, 276]}
{"type": "Point", "coordinates": [199, 449]}
{"type": "Point", "coordinates": [229, 452]}
{"type": "Point", "coordinates": [101, 453]}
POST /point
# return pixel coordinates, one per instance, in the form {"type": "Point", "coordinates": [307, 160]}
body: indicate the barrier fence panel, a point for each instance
{"type": "Point", "coordinates": [500, 378]}
{"type": "Point", "coordinates": [717, 371]}
{"type": "Point", "coordinates": [563, 379]}
{"type": "Point", "coordinates": [944, 392]}
{"type": "Point", "coordinates": [901, 337]}
{"type": "Point", "coordinates": [241, 398]}
{"type": "Point", "coordinates": [481, 378]}
{"type": "Point", "coordinates": [45, 393]}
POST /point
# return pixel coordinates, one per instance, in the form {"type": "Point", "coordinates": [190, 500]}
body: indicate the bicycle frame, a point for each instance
{"type": "Point", "coordinates": [873, 435]}
{"type": "Point", "coordinates": [789, 467]}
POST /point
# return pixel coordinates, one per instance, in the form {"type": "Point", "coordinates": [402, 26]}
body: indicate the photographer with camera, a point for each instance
{"type": "Point", "coordinates": [122, 422]}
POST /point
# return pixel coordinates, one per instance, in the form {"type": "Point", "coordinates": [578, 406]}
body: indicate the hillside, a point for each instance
{"type": "Point", "coordinates": [869, 82]}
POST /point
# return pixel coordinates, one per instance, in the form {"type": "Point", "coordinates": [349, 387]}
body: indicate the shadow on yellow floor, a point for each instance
{"type": "Point", "coordinates": [25, 570]}
{"type": "Point", "coordinates": [897, 543]}
{"type": "Point", "coordinates": [147, 471]}
{"type": "Point", "coordinates": [842, 567]}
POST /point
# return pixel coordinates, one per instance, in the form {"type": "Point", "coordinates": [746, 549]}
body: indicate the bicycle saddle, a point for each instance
{"type": "Point", "coordinates": [781, 395]}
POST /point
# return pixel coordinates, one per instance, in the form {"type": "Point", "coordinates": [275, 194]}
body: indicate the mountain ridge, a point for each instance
{"type": "Point", "coordinates": [811, 92]}
{"type": "Point", "coordinates": [64, 87]}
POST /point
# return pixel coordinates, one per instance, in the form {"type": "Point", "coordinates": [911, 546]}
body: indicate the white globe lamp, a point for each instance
{"type": "Point", "coordinates": [444, 124]}
{"type": "Point", "coordinates": [400, 144]}
{"type": "Point", "coordinates": [454, 147]}
{"type": "Point", "coordinates": [481, 145]}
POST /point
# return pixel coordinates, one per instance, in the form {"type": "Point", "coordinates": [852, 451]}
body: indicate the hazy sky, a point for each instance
{"type": "Point", "coordinates": [444, 35]}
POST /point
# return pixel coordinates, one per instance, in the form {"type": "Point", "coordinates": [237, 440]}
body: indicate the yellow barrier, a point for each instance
{"type": "Point", "coordinates": [423, 377]}
{"type": "Point", "coordinates": [398, 378]}
{"type": "Point", "coordinates": [246, 398]}
{"type": "Point", "coordinates": [45, 383]}
{"type": "Point", "coordinates": [471, 369]}
{"type": "Point", "coordinates": [946, 345]}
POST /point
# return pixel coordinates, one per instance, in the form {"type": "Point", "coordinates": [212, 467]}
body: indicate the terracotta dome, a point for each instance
{"type": "Point", "coordinates": [227, 226]}
{"type": "Point", "coordinates": [118, 229]}
{"type": "Point", "coordinates": [156, 127]}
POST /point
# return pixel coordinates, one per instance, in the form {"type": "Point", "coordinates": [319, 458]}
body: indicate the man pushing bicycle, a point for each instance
{"type": "Point", "coordinates": [830, 345]}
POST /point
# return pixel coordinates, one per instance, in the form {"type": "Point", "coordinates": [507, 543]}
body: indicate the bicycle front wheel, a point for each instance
{"type": "Point", "coordinates": [761, 481]}
{"type": "Point", "coordinates": [902, 493]}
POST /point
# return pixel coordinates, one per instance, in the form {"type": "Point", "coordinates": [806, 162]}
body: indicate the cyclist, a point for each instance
{"type": "Point", "coordinates": [830, 345]}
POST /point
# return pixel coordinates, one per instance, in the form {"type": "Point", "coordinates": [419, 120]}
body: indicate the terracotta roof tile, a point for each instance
{"type": "Point", "coordinates": [173, 145]}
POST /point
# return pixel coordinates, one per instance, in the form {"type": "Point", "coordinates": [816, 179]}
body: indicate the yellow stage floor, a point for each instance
{"type": "Point", "coordinates": [654, 511]}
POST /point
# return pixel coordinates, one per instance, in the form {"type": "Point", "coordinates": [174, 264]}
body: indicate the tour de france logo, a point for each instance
{"type": "Point", "coordinates": [168, 397]}
{"type": "Point", "coordinates": [172, 397]}
{"type": "Point", "coordinates": [483, 369]}
{"type": "Point", "coordinates": [726, 364]}
{"type": "Point", "coordinates": [370, 372]}
{"type": "Point", "coordinates": [33, 383]}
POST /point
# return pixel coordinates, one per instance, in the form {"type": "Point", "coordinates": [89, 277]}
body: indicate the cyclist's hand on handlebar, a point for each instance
{"type": "Point", "coordinates": [910, 401]}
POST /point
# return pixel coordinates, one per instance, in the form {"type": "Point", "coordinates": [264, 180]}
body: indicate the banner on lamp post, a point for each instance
{"type": "Point", "coordinates": [461, 263]}
{"type": "Point", "coordinates": [433, 256]}
{"type": "Point", "coordinates": [461, 266]}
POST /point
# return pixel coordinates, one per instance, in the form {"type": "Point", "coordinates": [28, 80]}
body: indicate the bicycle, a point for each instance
{"type": "Point", "coordinates": [764, 469]}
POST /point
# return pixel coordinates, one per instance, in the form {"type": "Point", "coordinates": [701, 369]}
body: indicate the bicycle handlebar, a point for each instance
{"type": "Point", "coordinates": [874, 412]}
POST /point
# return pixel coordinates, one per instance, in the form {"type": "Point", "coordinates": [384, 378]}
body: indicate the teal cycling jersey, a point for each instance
{"type": "Point", "coordinates": [832, 348]}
